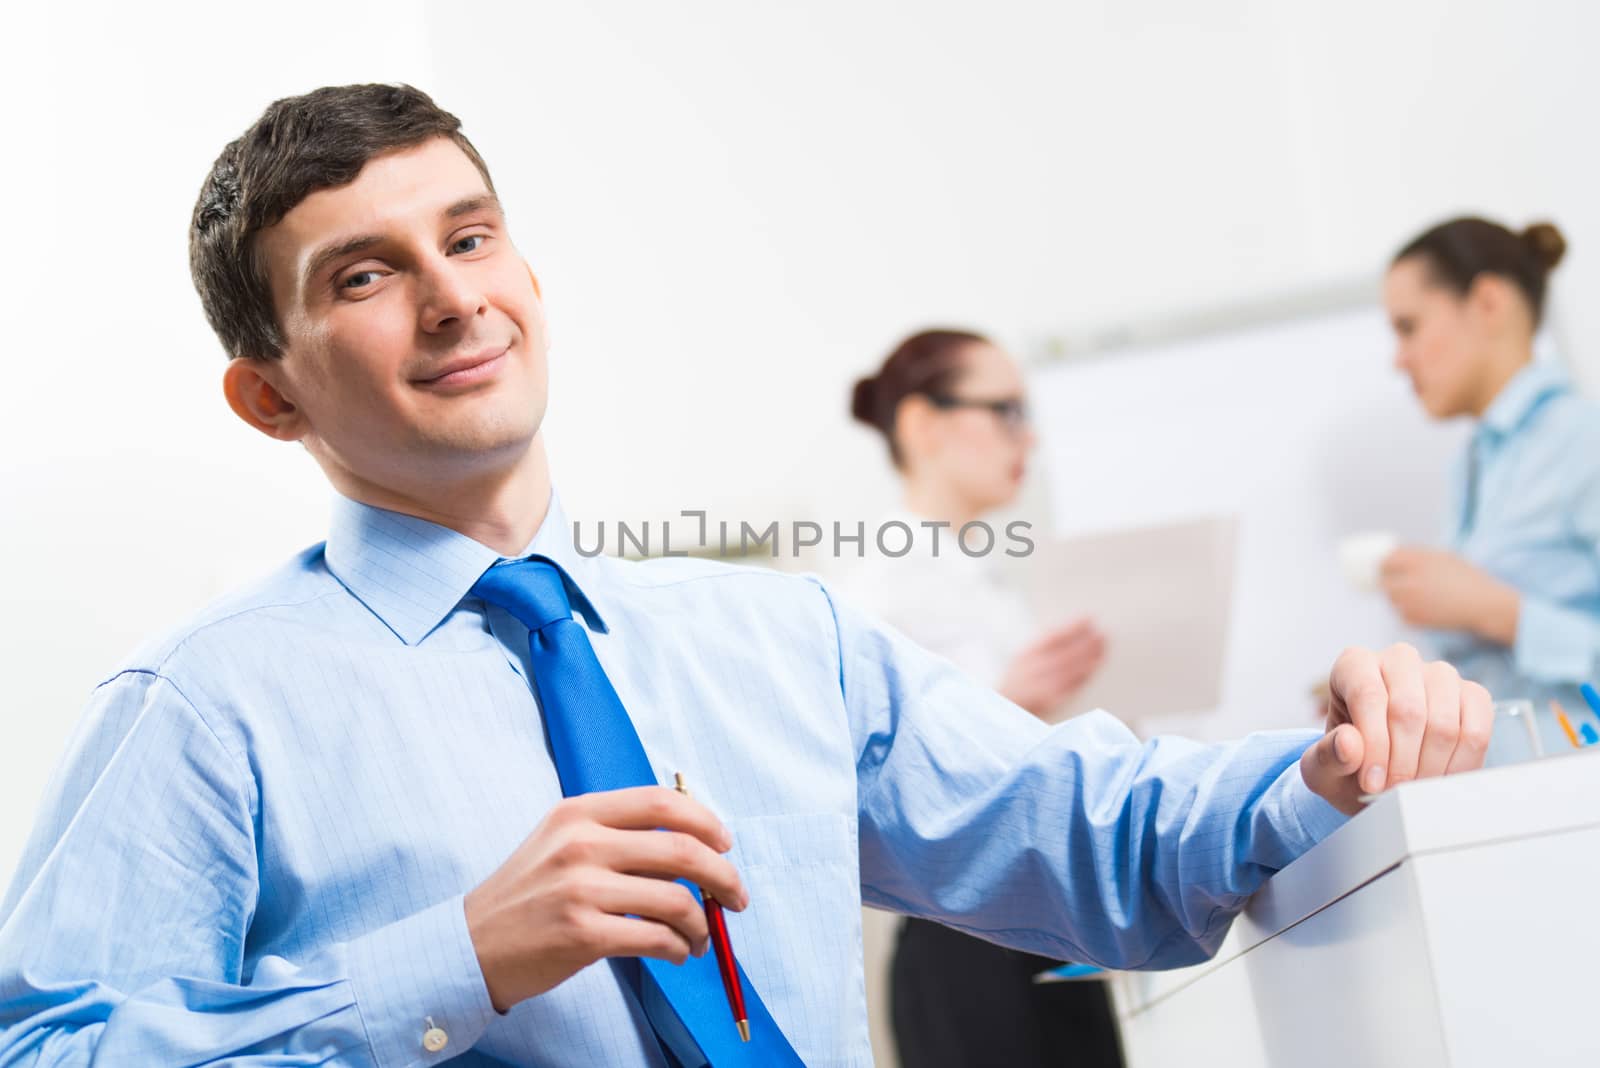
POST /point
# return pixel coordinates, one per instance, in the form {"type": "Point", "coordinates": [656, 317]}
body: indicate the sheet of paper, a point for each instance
{"type": "Point", "coordinates": [1162, 594]}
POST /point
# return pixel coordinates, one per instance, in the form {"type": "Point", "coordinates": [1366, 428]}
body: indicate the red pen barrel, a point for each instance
{"type": "Point", "coordinates": [724, 951]}
{"type": "Point", "coordinates": [718, 929]}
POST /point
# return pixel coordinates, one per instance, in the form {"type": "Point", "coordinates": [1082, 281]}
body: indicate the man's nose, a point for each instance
{"type": "Point", "coordinates": [449, 297]}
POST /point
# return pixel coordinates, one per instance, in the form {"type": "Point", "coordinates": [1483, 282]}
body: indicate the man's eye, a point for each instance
{"type": "Point", "coordinates": [359, 279]}
{"type": "Point", "coordinates": [463, 246]}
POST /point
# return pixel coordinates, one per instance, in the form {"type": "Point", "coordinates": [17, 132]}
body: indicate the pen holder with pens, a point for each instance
{"type": "Point", "coordinates": [1516, 736]}
{"type": "Point", "coordinates": [1528, 729]}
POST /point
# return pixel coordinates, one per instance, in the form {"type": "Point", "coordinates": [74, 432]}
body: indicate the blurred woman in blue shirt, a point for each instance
{"type": "Point", "coordinates": [1515, 600]}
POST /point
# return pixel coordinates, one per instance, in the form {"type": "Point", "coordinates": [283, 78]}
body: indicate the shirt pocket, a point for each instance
{"type": "Point", "coordinates": [793, 840]}
{"type": "Point", "coordinates": [799, 941]}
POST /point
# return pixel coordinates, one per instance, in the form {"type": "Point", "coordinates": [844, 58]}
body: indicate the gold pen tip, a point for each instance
{"type": "Point", "coordinates": [677, 778]}
{"type": "Point", "coordinates": [744, 1030]}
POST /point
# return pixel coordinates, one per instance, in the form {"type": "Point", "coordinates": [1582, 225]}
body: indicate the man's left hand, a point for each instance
{"type": "Point", "coordinates": [1393, 718]}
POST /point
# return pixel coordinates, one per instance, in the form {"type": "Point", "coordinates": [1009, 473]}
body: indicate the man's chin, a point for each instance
{"type": "Point", "coordinates": [481, 442]}
{"type": "Point", "coordinates": [489, 429]}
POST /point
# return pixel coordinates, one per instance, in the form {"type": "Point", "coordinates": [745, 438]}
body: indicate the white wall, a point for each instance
{"type": "Point", "coordinates": [734, 208]}
{"type": "Point", "coordinates": [129, 493]}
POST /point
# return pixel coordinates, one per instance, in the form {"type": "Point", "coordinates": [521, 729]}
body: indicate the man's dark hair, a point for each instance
{"type": "Point", "coordinates": [299, 145]}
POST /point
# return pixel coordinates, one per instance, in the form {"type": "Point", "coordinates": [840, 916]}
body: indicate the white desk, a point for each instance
{"type": "Point", "coordinates": [1454, 924]}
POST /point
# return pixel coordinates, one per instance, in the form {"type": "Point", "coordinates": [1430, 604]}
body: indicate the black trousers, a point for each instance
{"type": "Point", "coordinates": [961, 1002]}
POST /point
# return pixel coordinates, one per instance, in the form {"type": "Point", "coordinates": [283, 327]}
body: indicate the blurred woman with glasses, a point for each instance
{"type": "Point", "coordinates": [951, 407]}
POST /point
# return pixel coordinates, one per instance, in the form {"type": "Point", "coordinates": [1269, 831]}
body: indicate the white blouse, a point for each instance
{"type": "Point", "coordinates": [944, 600]}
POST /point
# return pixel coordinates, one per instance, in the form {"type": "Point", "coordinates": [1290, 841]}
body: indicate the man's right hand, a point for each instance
{"type": "Point", "coordinates": [594, 880]}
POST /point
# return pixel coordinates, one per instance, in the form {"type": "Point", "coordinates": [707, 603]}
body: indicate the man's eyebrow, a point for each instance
{"type": "Point", "coordinates": [468, 205]}
{"type": "Point", "coordinates": [328, 253]}
{"type": "Point", "coordinates": [349, 247]}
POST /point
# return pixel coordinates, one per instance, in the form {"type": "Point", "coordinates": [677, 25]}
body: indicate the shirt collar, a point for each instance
{"type": "Point", "coordinates": [412, 573]}
{"type": "Point", "coordinates": [1519, 398]}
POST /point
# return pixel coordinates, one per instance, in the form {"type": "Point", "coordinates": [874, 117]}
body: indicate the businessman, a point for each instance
{"type": "Point", "coordinates": [401, 803]}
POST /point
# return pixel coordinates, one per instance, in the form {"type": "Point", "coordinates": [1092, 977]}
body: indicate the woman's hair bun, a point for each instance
{"type": "Point", "coordinates": [863, 400]}
{"type": "Point", "coordinates": [926, 363]}
{"type": "Point", "coordinates": [1546, 244]}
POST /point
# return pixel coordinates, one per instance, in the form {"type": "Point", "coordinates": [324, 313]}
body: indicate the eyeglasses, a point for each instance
{"type": "Point", "coordinates": [1011, 411]}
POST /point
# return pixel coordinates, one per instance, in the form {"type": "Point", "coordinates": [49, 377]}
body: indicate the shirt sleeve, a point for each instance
{"type": "Point", "coordinates": [1557, 642]}
{"type": "Point", "coordinates": [123, 938]}
{"type": "Point", "coordinates": [1074, 841]}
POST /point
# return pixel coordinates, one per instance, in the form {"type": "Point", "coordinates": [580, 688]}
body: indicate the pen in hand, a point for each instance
{"type": "Point", "coordinates": [726, 965]}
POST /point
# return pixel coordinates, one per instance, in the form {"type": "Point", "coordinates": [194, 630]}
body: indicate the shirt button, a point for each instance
{"type": "Point", "coordinates": [434, 1039]}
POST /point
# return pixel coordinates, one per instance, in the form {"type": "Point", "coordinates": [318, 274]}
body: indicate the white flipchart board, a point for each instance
{"type": "Point", "coordinates": [1297, 424]}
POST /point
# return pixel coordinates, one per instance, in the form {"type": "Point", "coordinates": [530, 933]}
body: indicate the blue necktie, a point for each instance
{"type": "Point", "coordinates": [596, 748]}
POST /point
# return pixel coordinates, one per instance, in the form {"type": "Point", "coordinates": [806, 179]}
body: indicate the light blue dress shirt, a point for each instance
{"type": "Point", "coordinates": [257, 846]}
{"type": "Point", "coordinates": [1527, 510]}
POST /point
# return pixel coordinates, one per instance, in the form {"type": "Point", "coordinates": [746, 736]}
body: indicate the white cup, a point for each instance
{"type": "Point", "coordinates": [1361, 557]}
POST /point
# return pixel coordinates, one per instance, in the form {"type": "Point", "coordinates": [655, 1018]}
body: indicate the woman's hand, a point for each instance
{"type": "Point", "coordinates": [1430, 588]}
{"type": "Point", "coordinates": [1054, 667]}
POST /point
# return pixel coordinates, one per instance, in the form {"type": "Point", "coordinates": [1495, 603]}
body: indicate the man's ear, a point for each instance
{"type": "Point", "coordinates": [257, 399]}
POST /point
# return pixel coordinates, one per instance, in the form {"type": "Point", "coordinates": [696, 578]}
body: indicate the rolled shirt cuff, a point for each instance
{"type": "Point", "coordinates": [420, 969]}
{"type": "Point", "coordinates": [1554, 644]}
{"type": "Point", "coordinates": [1315, 815]}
